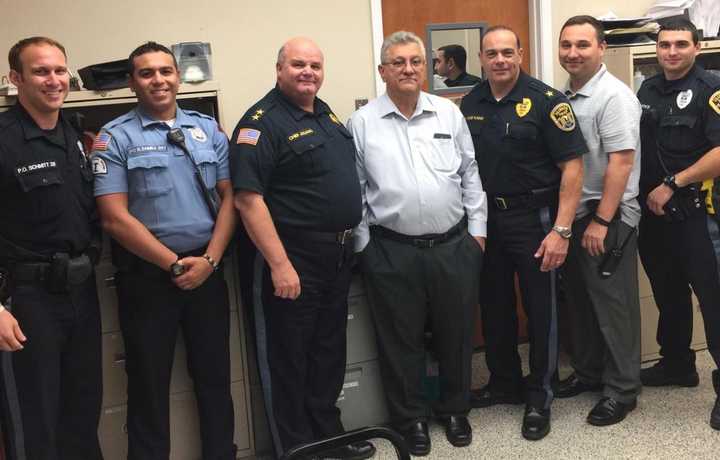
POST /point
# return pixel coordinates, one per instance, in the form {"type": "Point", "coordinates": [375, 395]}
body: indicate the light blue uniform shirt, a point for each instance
{"type": "Point", "coordinates": [132, 155]}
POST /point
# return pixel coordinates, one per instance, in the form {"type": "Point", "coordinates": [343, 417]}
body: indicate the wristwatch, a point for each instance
{"type": "Point", "coordinates": [670, 182]}
{"type": "Point", "coordinates": [565, 232]}
{"type": "Point", "coordinates": [176, 269]}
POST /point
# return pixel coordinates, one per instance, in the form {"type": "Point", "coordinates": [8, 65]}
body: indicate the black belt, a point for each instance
{"type": "Point", "coordinates": [419, 241]}
{"type": "Point", "coordinates": [30, 271]}
{"type": "Point", "coordinates": [313, 235]}
{"type": "Point", "coordinates": [531, 200]}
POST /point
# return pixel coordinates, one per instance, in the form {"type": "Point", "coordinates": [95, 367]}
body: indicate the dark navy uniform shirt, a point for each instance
{"type": "Point", "coordinates": [681, 121]}
{"type": "Point", "coordinates": [520, 139]}
{"type": "Point", "coordinates": [47, 203]}
{"type": "Point", "coordinates": [464, 79]}
{"type": "Point", "coordinates": [302, 163]}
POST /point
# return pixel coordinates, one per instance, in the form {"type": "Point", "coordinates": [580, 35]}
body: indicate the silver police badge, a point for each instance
{"type": "Point", "coordinates": [684, 98]}
{"type": "Point", "coordinates": [198, 134]}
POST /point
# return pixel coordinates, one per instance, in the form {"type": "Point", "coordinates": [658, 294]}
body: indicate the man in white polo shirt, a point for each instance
{"type": "Point", "coordinates": [601, 270]}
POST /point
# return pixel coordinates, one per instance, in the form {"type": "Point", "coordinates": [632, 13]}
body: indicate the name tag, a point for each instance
{"type": "Point", "coordinates": [147, 148]}
{"type": "Point", "coordinates": [442, 136]}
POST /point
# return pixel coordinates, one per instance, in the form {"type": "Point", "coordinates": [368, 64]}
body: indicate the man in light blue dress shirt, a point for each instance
{"type": "Point", "coordinates": [420, 240]}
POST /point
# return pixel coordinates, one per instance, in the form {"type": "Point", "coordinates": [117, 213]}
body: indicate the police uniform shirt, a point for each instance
{"type": "Point", "coordinates": [302, 163]}
{"type": "Point", "coordinates": [132, 155]}
{"type": "Point", "coordinates": [464, 79]}
{"type": "Point", "coordinates": [418, 174]}
{"type": "Point", "coordinates": [682, 118]}
{"type": "Point", "coordinates": [520, 139]}
{"type": "Point", "coordinates": [46, 186]}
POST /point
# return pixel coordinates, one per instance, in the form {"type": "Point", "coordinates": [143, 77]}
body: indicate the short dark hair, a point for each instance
{"type": "Point", "coordinates": [680, 23]}
{"type": "Point", "coordinates": [498, 28]}
{"type": "Point", "coordinates": [585, 19]}
{"type": "Point", "coordinates": [14, 54]}
{"type": "Point", "coordinates": [457, 53]}
{"type": "Point", "coordinates": [149, 47]}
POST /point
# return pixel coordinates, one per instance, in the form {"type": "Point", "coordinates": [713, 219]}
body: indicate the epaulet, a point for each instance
{"type": "Point", "coordinates": [256, 113]}
{"type": "Point", "coordinates": [542, 88]}
{"type": "Point", "coordinates": [195, 113]}
{"type": "Point", "coordinates": [6, 119]}
{"type": "Point", "coordinates": [122, 119]}
{"type": "Point", "coordinates": [709, 78]}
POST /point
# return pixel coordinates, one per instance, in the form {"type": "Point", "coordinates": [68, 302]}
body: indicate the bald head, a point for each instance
{"type": "Point", "coordinates": [300, 71]}
{"type": "Point", "coordinates": [293, 43]}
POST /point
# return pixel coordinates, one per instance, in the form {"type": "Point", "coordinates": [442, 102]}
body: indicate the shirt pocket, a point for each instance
{"type": "Point", "coordinates": [442, 154]}
{"type": "Point", "coordinates": [46, 177]}
{"type": "Point", "coordinates": [308, 154]}
{"type": "Point", "coordinates": [677, 133]}
{"type": "Point", "coordinates": [207, 162]}
{"type": "Point", "coordinates": [149, 174]}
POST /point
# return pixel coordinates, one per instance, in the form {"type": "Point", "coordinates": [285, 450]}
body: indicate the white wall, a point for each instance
{"type": "Point", "coordinates": [244, 35]}
{"type": "Point", "coordinates": [563, 9]}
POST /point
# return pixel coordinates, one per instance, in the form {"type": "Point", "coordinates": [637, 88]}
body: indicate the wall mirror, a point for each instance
{"type": "Point", "coordinates": [445, 46]}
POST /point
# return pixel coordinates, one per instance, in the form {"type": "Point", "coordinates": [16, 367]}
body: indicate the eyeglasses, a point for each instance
{"type": "Point", "coordinates": [400, 64]}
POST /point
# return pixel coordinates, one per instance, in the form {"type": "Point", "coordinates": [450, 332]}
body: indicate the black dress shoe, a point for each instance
{"type": "Point", "coordinates": [572, 386]}
{"type": "Point", "coordinates": [357, 451]}
{"type": "Point", "coordinates": [457, 430]}
{"type": "Point", "coordinates": [536, 423]}
{"type": "Point", "coordinates": [417, 438]}
{"type": "Point", "coordinates": [488, 396]}
{"type": "Point", "coordinates": [609, 411]}
{"type": "Point", "coordinates": [715, 414]}
{"type": "Point", "coordinates": [661, 375]}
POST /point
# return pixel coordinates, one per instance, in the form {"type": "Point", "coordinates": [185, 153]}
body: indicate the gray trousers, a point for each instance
{"type": "Point", "coordinates": [605, 314]}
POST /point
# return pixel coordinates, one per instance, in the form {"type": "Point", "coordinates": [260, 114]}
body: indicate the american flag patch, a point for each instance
{"type": "Point", "coordinates": [101, 141]}
{"type": "Point", "coordinates": [248, 136]}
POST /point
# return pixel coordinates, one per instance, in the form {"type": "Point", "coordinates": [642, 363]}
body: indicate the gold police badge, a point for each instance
{"type": "Point", "coordinates": [715, 101]}
{"type": "Point", "coordinates": [523, 108]}
{"type": "Point", "coordinates": [562, 116]}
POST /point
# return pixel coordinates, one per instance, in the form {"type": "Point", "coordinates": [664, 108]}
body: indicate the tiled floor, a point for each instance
{"type": "Point", "coordinates": [667, 424]}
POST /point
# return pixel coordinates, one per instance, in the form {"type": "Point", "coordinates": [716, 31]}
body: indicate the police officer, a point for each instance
{"type": "Point", "coordinates": [48, 236]}
{"type": "Point", "coordinates": [528, 151]}
{"type": "Point", "coordinates": [679, 242]}
{"type": "Point", "coordinates": [293, 170]}
{"type": "Point", "coordinates": [158, 171]}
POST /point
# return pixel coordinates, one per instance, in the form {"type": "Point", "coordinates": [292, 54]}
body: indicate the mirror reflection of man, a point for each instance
{"type": "Point", "coordinates": [450, 63]}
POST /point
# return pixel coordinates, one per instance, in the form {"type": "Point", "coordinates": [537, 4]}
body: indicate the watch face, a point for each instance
{"type": "Point", "coordinates": [177, 269]}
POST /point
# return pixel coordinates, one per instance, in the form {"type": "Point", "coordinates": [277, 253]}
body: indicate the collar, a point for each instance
{"type": "Point", "coordinates": [450, 81]}
{"type": "Point", "coordinates": [181, 118]}
{"type": "Point", "coordinates": [589, 87]}
{"type": "Point", "coordinates": [516, 94]}
{"type": "Point", "coordinates": [386, 106]}
{"type": "Point", "coordinates": [668, 86]}
{"type": "Point", "coordinates": [319, 106]}
{"type": "Point", "coordinates": [30, 129]}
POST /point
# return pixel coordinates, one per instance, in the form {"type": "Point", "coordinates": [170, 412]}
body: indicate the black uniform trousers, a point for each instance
{"type": "Point", "coordinates": [513, 238]}
{"type": "Point", "coordinates": [301, 343]}
{"type": "Point", "coordinates": [51, 408]}
{"type": "Point", "coordinates": [605, 313]}
{"type": "Point", "coordinates": [152, 310]}
{"type": "Point", "coordinates": [677, 256]}
{"type": "Point", "coordinates": [407, 288]}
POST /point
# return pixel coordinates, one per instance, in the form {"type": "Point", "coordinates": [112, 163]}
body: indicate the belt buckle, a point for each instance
{"type": "Point", "coordinates": [343, 236]}
{"type": "Point", "coordinates": [424, 244]}
{"type": "Point", "coordinates": [501, 203]}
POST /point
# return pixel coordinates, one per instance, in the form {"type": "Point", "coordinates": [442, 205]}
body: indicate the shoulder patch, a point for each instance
{"type": "Point", "coordinates": [563, 117]}
{"type": "Point", "coordinates": [334, 119]}
{"type": "Point", "coordinates": [248, 136]}
{"type": "Point", "coordinates": [98, 166]}
{"type": "Point", "coordinates": [715, 101]}
{"type": "Point", "coordinates": [101, 141]}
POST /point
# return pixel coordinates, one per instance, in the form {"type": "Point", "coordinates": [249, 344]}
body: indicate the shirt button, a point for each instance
{"type": "Point", "coordinates": [44, 181]}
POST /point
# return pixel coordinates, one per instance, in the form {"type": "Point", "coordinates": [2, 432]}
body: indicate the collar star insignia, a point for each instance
{"type": "Point", "coordinates": [255, 117]}
{"type": "Point", "coordinates": [549, 93]}
{"type": "Point", "coordinates": [259, 111]}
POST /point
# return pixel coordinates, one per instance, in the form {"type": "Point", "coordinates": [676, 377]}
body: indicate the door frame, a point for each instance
{"type": "Point", "coordinates": [541, 35]}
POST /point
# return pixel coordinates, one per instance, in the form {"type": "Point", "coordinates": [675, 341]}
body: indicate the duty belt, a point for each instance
{"type": "Point", "coordinates": [530, 200]}
{"type": "Point", "coordinates": [419, 241]}
{"type": "Point", "coordinates": [295, 233]}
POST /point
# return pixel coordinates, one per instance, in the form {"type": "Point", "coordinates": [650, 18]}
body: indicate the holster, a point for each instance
{"type": "Point", "coordinates": [64, 272]}
{"type": "Point", "coordinates": [684, 203]}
